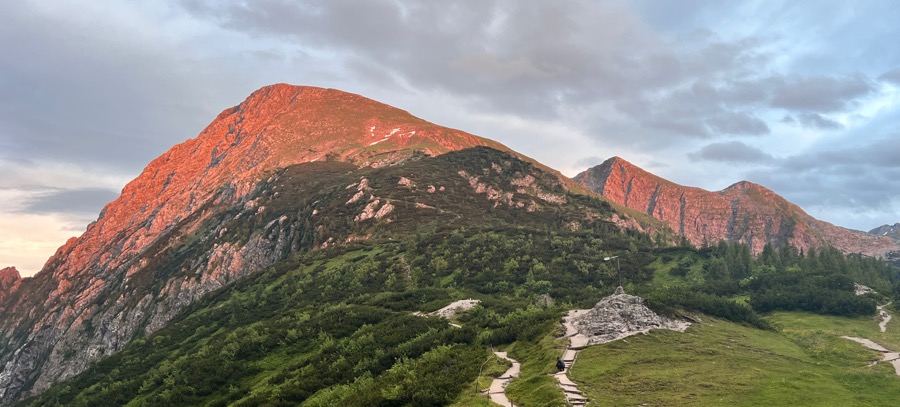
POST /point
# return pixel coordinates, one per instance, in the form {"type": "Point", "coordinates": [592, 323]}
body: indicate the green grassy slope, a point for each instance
{"type": "Point", "coordinates": [719, 363]}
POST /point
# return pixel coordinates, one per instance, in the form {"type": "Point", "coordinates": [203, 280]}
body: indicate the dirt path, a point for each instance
{"type": "Point", "coordinates": [577, 342]}
{"type": "Point", "coordinates": [497, 391]}
{"type": "Point", "coordinates": [887, 355]}
{"type": "Point", "coordinates": [885, 317]}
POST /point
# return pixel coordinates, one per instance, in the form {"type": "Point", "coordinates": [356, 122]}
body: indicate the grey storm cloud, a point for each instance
{"type": "Point", "coordinates": [731, 152]}
{"type": "Point", "coordinates": [86, 201]}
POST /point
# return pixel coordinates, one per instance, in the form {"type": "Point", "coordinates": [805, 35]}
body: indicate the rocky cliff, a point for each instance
{"type": "Point", "coordinates": [153, 250]}
{"type": "Point", "coordinates": [744, 212]}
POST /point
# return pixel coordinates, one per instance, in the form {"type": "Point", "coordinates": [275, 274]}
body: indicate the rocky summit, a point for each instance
{"type": "Point", "coordinates": [743, 212]}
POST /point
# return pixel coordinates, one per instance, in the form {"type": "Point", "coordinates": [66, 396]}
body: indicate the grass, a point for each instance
{"type": "Point", "coordinates": [798, 325]}
{"type": "Point", "coordinates": [718, 363]}
{"type": "Point", "coordinates": [662, 276]}
{"type": "Point", "coordinates": [536, 385]}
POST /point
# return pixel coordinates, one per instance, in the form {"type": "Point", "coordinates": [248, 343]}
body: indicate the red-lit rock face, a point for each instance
{"type": "Point", "coordinates": [276, 126]}
{"type": "Point", "coordinates": [743, 212]}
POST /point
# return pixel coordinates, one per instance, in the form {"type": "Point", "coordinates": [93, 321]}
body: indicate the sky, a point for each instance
{"type": "Point", "coordinates": [802, 97]}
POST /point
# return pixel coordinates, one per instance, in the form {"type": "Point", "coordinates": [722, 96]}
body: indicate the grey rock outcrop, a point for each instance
{"type": "Point", "coordinates": [615, 317]}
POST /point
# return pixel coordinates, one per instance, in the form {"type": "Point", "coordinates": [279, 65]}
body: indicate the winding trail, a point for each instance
{"type": "Point", "coordinates": [497, 391]}
{"type": "Point", "coordinates": [885, 317]}
{"type": "Point", "coordinates": [888, 355]}
{"type": "Point", "coordinates": [577, 342]}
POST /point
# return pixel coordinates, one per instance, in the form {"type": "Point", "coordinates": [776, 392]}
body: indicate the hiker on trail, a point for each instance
{"type": "Point", "coordinates": [560, 365]}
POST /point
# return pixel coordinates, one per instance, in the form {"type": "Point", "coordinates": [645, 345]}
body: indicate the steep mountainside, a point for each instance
{"type": "Point", "coordinates": [211, 210]}
{"type": "Point", "coordinates": [744, 212]}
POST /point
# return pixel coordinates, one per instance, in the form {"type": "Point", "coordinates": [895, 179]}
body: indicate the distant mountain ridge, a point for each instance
{"type": "Point", "coordinates": [744, 212]}
{"type": "Point", "coordinates": [887, 230]}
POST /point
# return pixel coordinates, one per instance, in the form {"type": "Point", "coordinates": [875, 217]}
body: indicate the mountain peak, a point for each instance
{"type": "Point", "coordinates": [619, 162]}
{"type": "Point", "coordinates": [616, 160]}
{"type": "Point", "coordinates": [747, 186]}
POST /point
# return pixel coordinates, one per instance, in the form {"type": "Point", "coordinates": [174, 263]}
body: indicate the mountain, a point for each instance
{"type": "Point", "coordinates": [277, 174]}
{"type": "Point", "coordinates": [296, 247]}
{"type": "Point", "coordinates": [743, 212]}
{"type": "Point", "coordinates": [887, 230]}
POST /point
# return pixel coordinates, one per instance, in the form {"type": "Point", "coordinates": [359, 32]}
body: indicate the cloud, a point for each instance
{"type": "Point", "coordinates": [737, 123]}
{"type": "Point", "coordinates": [530, 58]}
{"type": "Point", "coordinates": [589, 162]}
{"type": "Point", "coordinates": [673, 81]}
{"type": "Point", "coordinates": [820, 93]}
{"type": "Point", "coordinates": [892, 76]}
{"type": "Point", "coordinates": [854, 185]}
{"type": "Point", "coordinates": [86, 201]}
{"type": "Point", "coordinates": [878, 155]}
{"type": "Point", "coordinates": [814, 121]}
{"type": "Point", "coordinates": [731, 152]}
{"type": "Point", "coordinates": [80, 86]}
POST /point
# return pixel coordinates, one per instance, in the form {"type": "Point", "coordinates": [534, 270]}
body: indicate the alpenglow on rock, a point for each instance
{"type": "Point", "coordinates": [745, 212]}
